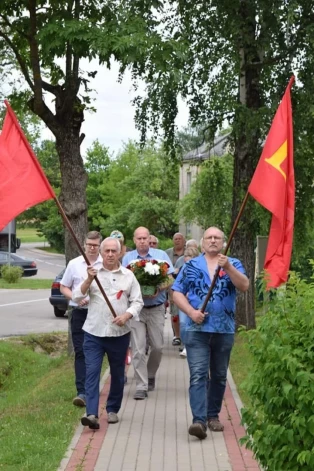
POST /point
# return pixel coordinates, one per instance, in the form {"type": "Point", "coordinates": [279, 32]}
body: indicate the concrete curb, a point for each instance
{"type": "Point", "coordinates": [78, 431]}
{"type": "Point", "coordinates": [235, 393]}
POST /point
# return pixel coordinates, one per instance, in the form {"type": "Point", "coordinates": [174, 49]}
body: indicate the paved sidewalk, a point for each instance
{"type": "Point", "coordinates": [152, 435]}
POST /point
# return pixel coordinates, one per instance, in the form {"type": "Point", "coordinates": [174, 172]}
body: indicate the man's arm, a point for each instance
{"type": "Point", "coordinates": [136, 305]}
{"type": "Point", "coordinates": [67, 292]}
{"type": "Point", "coordinates": [183, 304]}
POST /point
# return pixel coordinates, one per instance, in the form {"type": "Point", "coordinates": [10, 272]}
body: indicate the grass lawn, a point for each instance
{"type": "Point", "coordinates": [48, 249]}
{"type": "Point", "coordinates": [37, 418]}
{"type": "Point", "coordinates": [240, 365]}
{"type": "Point", "coordinates": [26, 283]}
{"type": "Point", "coordinates": [29, 234]}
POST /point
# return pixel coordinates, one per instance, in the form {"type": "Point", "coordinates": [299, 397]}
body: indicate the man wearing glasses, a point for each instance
{"type": "Point", "coordinates": [73, 276]}
{"type": "Point", "coordinates": [209, 336]}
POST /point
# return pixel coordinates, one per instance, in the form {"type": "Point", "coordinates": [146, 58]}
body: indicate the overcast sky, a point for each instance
{"type": "Point", "coordinates": [113, 122]}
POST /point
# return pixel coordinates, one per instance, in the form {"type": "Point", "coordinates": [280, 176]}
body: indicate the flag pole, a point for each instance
{"type": "Point", "coordinates": [235, 225]}
{"type": "Point", "coordinates": [64, 216]}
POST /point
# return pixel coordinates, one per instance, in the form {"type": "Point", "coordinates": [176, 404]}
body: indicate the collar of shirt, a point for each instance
{"type": "Point", "coordinates": [111, 271]}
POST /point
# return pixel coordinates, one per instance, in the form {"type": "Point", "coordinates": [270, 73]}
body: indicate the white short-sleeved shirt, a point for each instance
{"type": "Point", "coordinates": [76, 272]}
{"type": "Point", "coordinates": [123, 292]}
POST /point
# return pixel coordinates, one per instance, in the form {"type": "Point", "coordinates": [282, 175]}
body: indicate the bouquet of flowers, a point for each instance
{"type": "Point", "coordinates": [150, 274]}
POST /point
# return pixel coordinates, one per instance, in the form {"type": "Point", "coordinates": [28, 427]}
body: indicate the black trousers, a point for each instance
{"type": "Point", "coordinates": [77, 321]}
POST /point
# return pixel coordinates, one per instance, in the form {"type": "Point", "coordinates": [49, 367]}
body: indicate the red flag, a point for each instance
{"type": "Point", "coordinates": [273, 187]}
{"type": "Point", "coordinates": [22, 181]}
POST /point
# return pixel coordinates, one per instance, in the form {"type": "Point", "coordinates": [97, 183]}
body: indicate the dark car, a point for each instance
{"type": "Point", "coordinates": [57, 299]}
{"type": "Point", "coordinates": [29, 266]}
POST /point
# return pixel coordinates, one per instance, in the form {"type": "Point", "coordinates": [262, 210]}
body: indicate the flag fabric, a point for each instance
{"type": "Point", "coordinates": [22, 181]}
{"type": "Point", "coordinates": [273, 187]}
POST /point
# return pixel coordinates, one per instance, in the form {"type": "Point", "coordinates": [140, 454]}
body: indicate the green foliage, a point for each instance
{"type": "Point", "coordinates": [280, 418]}
{"type": "Point", "coordinates": [135, 189]}
{"type": "Point", "coordinates": [51, 226]}
{"type": "Point", "coordinates": [97, 166]}
{"type": "Point", "coordinates": [210, 199]}
{"type": "Point", "coordinates": [11, 274]}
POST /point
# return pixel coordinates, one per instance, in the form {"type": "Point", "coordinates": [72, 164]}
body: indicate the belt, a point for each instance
{"type": "Point", "coordinates": [154, 305]}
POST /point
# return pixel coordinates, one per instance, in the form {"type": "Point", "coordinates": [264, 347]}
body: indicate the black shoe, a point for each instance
{"type": "Point", "coordinates": [90, 420]}
{"type": "Point", "coordinates": [198, 430]}
{"type": "Point", "coordinates": [140, 395]}
{"type": "Point", "coordinates": [151, 384]}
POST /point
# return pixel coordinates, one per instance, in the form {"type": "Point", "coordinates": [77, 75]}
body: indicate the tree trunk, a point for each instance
{"type": "Point", "coordinates": [247, 151]}
{"type": "Point", "coordinates": [73, 187]}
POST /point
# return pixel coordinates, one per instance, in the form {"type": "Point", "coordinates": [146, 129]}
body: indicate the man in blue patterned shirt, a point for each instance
{"type": "Point", "coordinates": [209, 335]}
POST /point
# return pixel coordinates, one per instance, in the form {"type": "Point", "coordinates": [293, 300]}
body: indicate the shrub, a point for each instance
{"type": "Point", "coordinates": [11, 274]}
{"type": "Point", "coordinates": [280, 418]}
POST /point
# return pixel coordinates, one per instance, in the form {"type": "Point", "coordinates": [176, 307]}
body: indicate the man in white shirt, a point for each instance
{"type": "Point", "coordinates": [73, 276]}
{"type": "Point", "coordinates": [105, 334]}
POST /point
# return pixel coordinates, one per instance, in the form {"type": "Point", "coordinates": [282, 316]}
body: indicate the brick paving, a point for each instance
{"type": "Point", "coordinates": [152, 435]}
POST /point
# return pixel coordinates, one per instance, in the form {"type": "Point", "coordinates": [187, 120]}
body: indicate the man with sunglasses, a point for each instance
{"type": "Point", "coordinates": [73, 276]}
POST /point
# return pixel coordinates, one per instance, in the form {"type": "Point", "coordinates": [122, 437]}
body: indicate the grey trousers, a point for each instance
{"type": "Point", "coordinates": [152, 323]}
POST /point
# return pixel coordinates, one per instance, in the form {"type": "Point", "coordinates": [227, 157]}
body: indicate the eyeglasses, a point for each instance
{"type": "Point", "coordinates": [213, 237]}
{"type": "Point", "coordinates": [92, 246]}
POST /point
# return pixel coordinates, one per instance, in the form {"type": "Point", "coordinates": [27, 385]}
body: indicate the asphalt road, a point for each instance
{"type": "Point", "coordinates": [49, 265]}
{"type": "Point", "coordinates": [29, 311]}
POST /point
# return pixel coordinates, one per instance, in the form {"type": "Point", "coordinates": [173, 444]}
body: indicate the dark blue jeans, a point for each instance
{"type": "Point", "coordinates": [78, 318]}
{"type": "Point", "coordinates": [207, 352]}
{"type": "Point", "coordinates": [95, 349]}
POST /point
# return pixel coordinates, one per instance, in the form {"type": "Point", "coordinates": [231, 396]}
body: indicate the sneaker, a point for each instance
{"type": "Point", "coordinates": [198, 430]}
{"type": "Point", "coordinates": [151, 384]}
{"type": "Point", "coordinates": [183, 353]}
{"type": "Point", "coordinates": [125, 379]}
{"type": "Point", "coordinates": [215, 425]}
{"type": "Point", "coordinates": [79, 400]}
{"type": "Point", "coordinates": [90, 420]}
{"type": "Point", "coordinates": [140, 395]}
{"type": "Point", "coordinates": [112, 418]}
{"type": "Point", "coordinates": [176, 341]}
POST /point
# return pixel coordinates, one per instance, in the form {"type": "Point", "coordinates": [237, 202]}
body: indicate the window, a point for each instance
{"type": "Point", "coordinates": [188, 181]}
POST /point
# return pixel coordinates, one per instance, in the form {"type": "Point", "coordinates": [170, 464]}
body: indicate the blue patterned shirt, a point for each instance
{"type": "Point", "coordinates": [156, 254]}
{"type": "Point", "coordinates": [194, 282]}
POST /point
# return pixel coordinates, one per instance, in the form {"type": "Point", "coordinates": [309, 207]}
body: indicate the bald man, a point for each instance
{"type": "Point", "coordinates": [152, 319]}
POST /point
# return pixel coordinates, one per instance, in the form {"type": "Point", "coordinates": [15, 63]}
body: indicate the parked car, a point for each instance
{"type": "Point", "coordinates": [29, 266]}
{"type": "Point", "coordinates": [57, 299]}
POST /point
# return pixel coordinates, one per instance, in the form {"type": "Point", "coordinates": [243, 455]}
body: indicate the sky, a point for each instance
{"type": "Point", "coordinates": [113, 123]}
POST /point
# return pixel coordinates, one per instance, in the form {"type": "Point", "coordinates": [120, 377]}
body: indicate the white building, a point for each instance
{"type": "Point", "coordinates": [190, 167]}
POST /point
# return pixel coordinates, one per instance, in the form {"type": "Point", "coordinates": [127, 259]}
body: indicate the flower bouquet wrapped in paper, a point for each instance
{"type": "Point", "coordinates": [151, 274]}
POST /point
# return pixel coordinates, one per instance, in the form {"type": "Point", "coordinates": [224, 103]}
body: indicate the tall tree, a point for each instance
{"type": "Point", "coordinates": [231, 61]}
{"type": "Point", "coordinates": [47, 41]}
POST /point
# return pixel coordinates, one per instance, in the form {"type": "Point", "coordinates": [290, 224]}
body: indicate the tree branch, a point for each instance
{"type": "Point", "coordinates": [19, 58]}
{"type": "Point", "coordinates": [13, 27]}
{"type": "Point", "coordinates": [34, 56]}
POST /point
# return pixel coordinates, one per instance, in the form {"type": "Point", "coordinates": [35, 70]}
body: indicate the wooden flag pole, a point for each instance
{"type": "Point", "coordinates": [235, 225]}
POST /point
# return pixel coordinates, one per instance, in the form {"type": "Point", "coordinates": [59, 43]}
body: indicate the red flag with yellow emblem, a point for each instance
{"type": "Point", "coordinates": [273, 187]}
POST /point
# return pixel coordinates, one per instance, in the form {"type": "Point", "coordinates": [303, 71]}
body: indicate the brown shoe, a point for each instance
{"type": "Point", "coordinates": [198, 430]}
{"type": "Point", "coordinates": [215, 425]}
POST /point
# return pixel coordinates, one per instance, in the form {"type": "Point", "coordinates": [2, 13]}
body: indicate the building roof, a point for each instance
{"type": "Point", "coordinates": [206, 150]}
